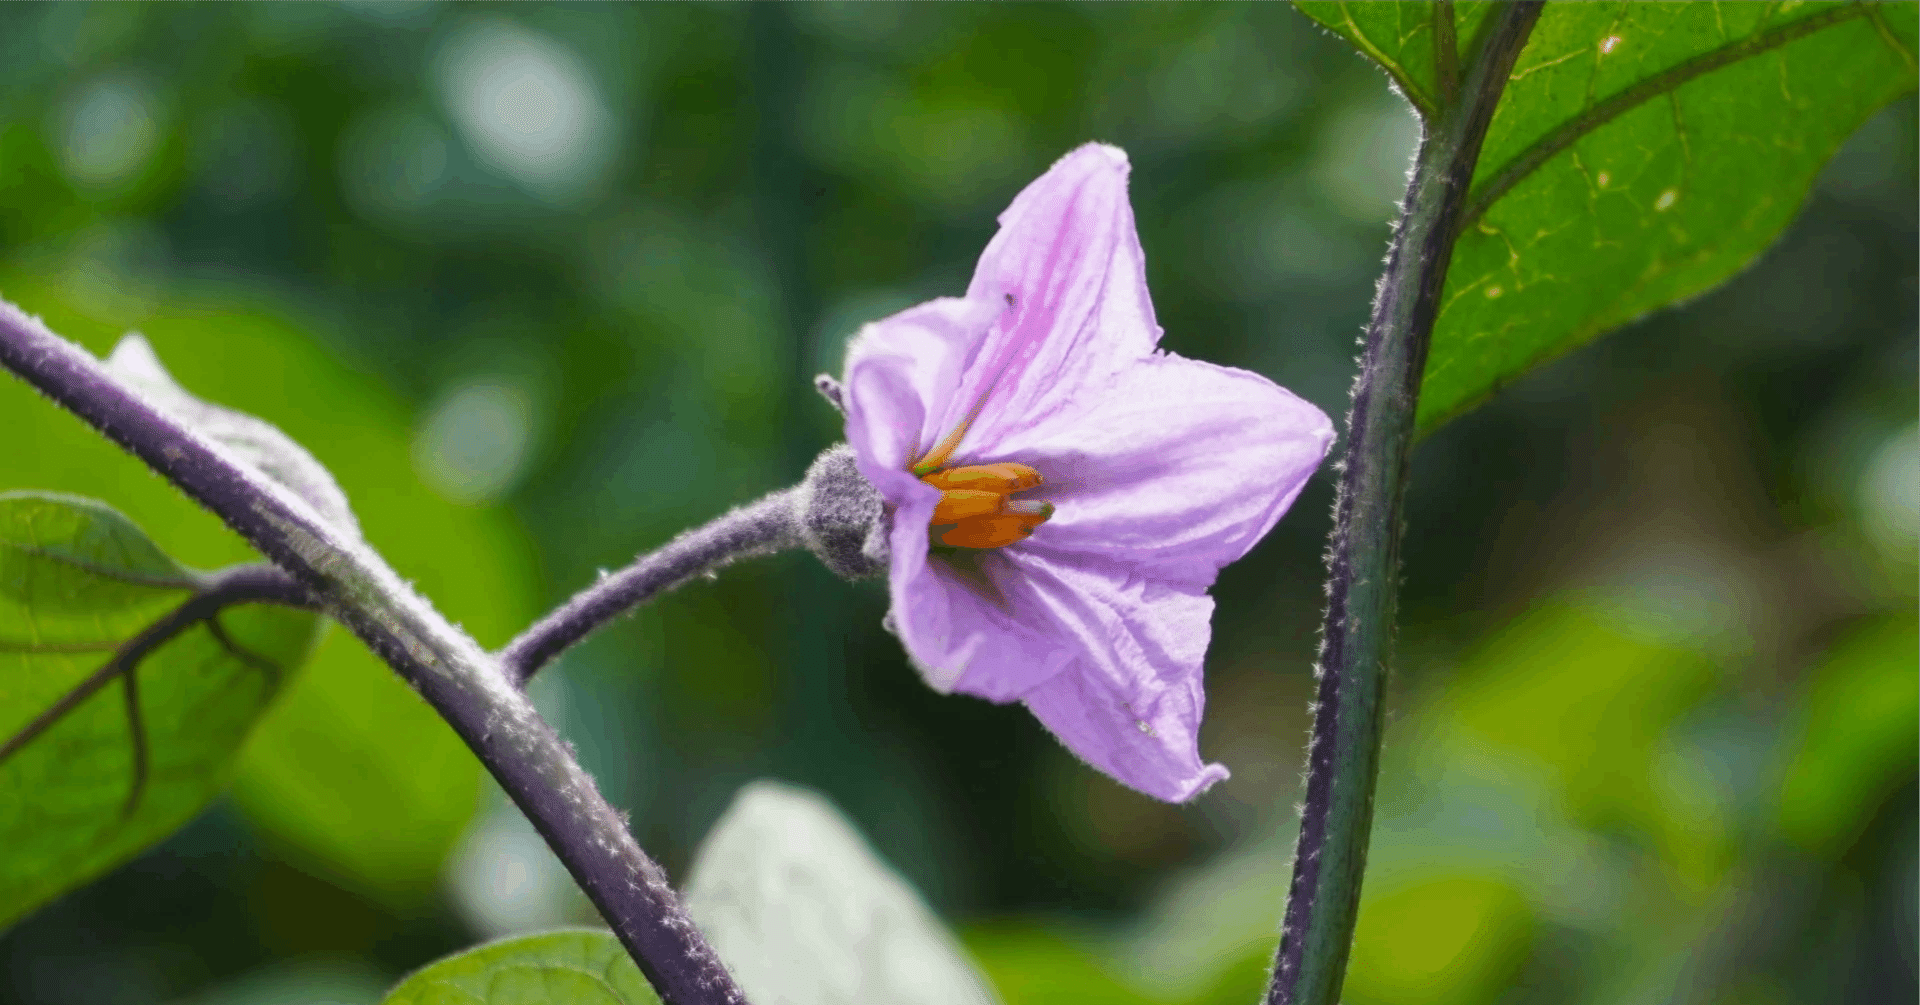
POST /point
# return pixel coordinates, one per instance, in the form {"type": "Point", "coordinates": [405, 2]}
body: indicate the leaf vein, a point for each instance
{"type": "Point", "coordinates": [1879, 22]}
{"type": "Point", "coordinates": [1544, 149]}
{"type": "Point", "coordinates": [104, 571]}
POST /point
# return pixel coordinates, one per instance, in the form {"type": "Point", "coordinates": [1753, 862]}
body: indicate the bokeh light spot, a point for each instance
{"type": "Point", "coordinates": [527, 107]}
{"type": "Point", "coordinates": [1889, 493]}
{"type": "Point", "coordinates": [474, 444]}
{"type": "Point", "coordinates": [110, 133]}
{"type": "Point", "coordinates": [505, 880]}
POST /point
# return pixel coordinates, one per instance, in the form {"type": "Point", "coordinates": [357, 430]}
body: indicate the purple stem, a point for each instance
{"type": "Point", "coordinates": [759, 528]}
{"type": "Point", "coordinates": [460, 680]}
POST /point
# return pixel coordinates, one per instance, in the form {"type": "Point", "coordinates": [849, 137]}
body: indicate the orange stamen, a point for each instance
{"type": "Point", "coordinates": [1003, 478]}
{"type": "Point", "coordinates": [974, 508]}
{"type": "Point", "coordinates": [960, 504]}
{"type": "Point", "coordinates": [995, 531]}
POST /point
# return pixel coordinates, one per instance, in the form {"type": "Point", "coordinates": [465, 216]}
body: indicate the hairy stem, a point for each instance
{"type": "Point", "coordinates": [1363, 562]}
{"type": "Point", "coordinates": [759, 528]}
{"type": "Point", "coordinates": [448, 669]}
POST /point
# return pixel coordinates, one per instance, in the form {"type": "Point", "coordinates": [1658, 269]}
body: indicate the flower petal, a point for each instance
{"type": "Point", "coordinates": [1109, 661]}
{"type": "Point", "coordinates": [901, 373]}
{"type": "Point", "coordinates": [972, 621]}
{"type": "Point", "coordinates": [1067, 278]}
{"type": "Point", "coordinates": [1179, 470]}
{"type": "Point", "coordinates": [1097, 724]}
{"type": "Point", "coordinates": [1131, 703]}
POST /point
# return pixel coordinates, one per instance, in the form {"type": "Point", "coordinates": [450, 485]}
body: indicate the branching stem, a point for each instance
{"type": "Point", "coordinates": [448, 669]}
{"type": "Point", "coordinates": [1363, 562]}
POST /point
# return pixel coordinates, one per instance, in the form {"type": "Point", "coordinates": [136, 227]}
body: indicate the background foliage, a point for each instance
{"type": "Point", "coordinates": [1654, 724]}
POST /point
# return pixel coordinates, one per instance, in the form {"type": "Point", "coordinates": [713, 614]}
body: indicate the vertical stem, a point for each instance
{"type": "Point", "coordinates": [1363, 564]}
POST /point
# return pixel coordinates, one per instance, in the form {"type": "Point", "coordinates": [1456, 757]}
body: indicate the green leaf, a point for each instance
{"type": "Point", "coordinates": [70, 556]}
{"type": "Point", "coordinates": [570, 967]}
{"type": "Point", "coordinates": [77, 579]}
{"type": "Point", "coordinates": [802, 911]}
{"type": "Point", "coordinates": [1401, 37]}
{"type": "Point", "coordinates": [254, 443]}
{"type": "Point", "coordinates": [1642, 154]}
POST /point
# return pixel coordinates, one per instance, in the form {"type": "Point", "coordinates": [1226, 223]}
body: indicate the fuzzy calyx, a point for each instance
{"type": "Point", "coordinates": [842, 518]}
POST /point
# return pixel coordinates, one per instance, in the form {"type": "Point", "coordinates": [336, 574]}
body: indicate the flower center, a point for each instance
{"type": "Point", "coordinates": [974, 509]}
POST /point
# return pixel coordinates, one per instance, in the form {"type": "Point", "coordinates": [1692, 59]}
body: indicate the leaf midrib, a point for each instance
{"type": "Point", "coordinates": [127, 576]}
{"type": "Point", "coordinates": [1544, 149]}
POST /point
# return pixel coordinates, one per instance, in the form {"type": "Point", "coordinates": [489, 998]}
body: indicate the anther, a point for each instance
{"type": "Point", "coordinates": [960, 504]}
{"type": "Point", "coordinates": [1003, 478]}
{"type": "Point", "coordinates": [974, 509]}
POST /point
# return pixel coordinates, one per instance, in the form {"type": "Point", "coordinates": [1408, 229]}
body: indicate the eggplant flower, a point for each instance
{"type": "Point", "coordinates": [1062, 494]}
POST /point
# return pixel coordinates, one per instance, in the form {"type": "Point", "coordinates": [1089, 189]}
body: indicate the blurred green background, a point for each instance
{"type": "Point", "coordinates": [544, 285]}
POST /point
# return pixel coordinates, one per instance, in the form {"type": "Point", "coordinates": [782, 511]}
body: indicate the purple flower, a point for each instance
{"type": "Point", "coordinates": [1062, 493]}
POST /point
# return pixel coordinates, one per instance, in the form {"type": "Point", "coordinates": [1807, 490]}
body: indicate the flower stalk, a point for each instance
{"type": "Point", "coordinates": [1363, 560]}
{"type": "Point", "coordinates": [760, 528]}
